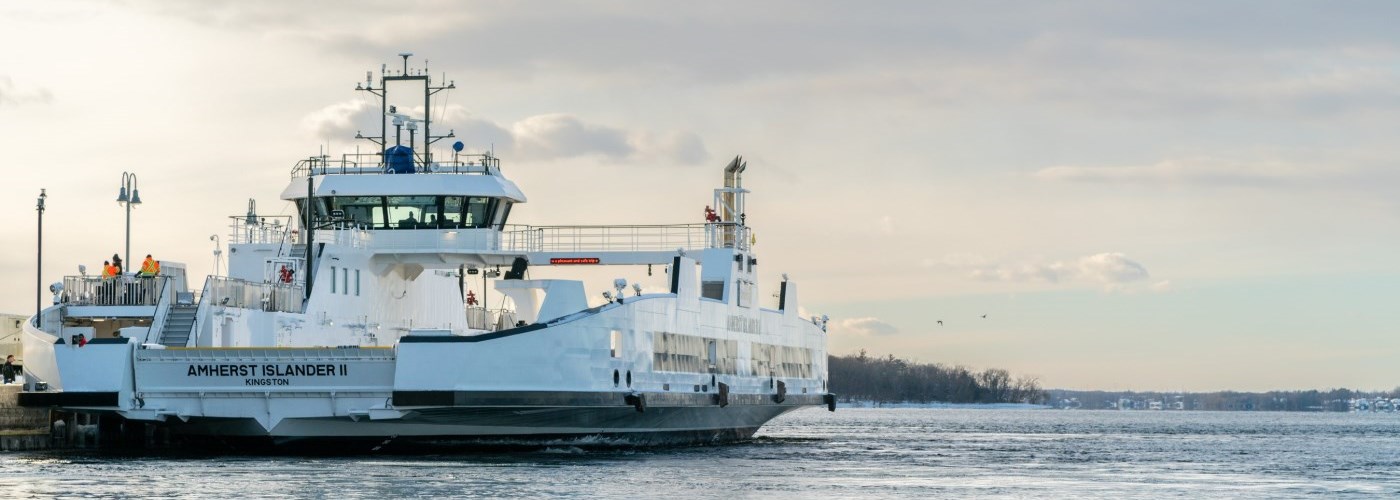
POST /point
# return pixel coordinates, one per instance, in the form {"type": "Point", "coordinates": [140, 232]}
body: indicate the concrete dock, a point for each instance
{"type": "Point", "coordinates": [22, 428]}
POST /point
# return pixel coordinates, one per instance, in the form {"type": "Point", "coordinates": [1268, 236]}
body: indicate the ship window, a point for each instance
{"type": "Point", "coordinates": [478, 212]}
{"type": "Point", "coordinates": [366, 211]}
{"type": "Point", "coordinates": [412, 212]}
{"type": "Point", "coordinates": [332, 279]}
{"type": "Point", "coordinates": [505, 213]}
{"type": "Point", "coordinates": [345, 281]}
{"type": "Point", "coordinates": [451, 211]}
{"type": "Point", "coordinates": [357, 282]}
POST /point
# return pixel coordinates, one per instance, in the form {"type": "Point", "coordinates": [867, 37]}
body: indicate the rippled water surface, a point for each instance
{"type": "Point", "coordinates": [945, 453]}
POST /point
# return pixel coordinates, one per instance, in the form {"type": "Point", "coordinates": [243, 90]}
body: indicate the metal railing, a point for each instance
{"type": "Point", "coordinates": [514, 238]}
{"type": "Point", "coordinates": [260, 230]}
{"type": "Point", "coordinates": [480, 318]}
{"type": "Point", "coordinates": [373, 164]}
{"type": "Point", "coordinates": [126, 290]}
{"type": "Point", "coordinates": [231, 292]}
{"type": "Point", "coordinates": [626, 238]}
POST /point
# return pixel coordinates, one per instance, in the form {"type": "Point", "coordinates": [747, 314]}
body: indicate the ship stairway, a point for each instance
{"type": "Point", "coordinates": [179, 323]}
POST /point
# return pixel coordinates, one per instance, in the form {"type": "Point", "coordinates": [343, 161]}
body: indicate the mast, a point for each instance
{"type": "Point", "coordinates": [387, 111]}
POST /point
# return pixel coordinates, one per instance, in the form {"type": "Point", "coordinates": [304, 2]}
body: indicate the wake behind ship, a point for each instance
{"type": "Point", "coordinates": [363, 321]}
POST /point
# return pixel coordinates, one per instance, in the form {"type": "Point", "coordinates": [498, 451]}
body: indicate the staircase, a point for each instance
{"type": "Point", "coordinates": [179, 323]}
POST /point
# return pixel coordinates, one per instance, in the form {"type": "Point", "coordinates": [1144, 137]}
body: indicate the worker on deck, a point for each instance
{"type": "Point", "coordinates": [108, 270]}
{"type": "Point", "coordinates": [150, 267]}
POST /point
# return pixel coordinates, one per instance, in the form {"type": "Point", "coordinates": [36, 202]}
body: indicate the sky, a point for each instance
{"type": "Point", "coordinates": [1103, 195]}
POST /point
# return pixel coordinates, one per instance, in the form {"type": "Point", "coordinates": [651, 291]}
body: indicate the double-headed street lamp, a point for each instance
{"type": "Point", "coordinates": [134, 198]}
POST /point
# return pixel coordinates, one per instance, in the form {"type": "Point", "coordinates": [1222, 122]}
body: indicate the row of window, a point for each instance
{"type": "Point", "coordinates": [412, 212]}
{"type": "Point", "coordinates": [674, 352]}
{"type": "Point", "coordinates": [780, 360]}
{"type": "Point", "coordinates": [344, 281]}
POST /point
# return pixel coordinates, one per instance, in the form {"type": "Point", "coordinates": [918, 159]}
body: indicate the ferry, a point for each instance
{"type": "Point", "coordinates": [364, 321]}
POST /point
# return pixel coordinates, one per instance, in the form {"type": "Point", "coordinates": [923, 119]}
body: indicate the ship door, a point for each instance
{"type": "Point", "coordinates": [284, 271]}
{"type": "Point", "coordinates": [714, 355]}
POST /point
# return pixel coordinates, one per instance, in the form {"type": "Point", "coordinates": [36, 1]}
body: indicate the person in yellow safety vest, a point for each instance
{"type": "Point", "coordinates": [108, 270]}
{"type": "Point", "coordinates": [150, 267]}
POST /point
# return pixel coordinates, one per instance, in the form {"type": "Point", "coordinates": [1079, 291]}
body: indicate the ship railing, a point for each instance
{"type": "Point", "coordinates": [373, 164]}
{"type": "Point", "coordinates": [478, 239]}
{"type": "Point", "coordinates": [242, 294]}
{"type": "Point", "coordinates": [124, 290]}
{"type": "Point", "coordinates": [481, 318]}
{"type": "Point", "coordinates": [626, 238]}
{"type": "Point", "coordinates": [260, 229]}
{"type": "Point", "coordinates": [518, 238]}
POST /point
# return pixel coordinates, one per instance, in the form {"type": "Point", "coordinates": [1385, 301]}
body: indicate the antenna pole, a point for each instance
{"type": "Point", "coordinates": [427, 120]}
{"type": "Point", "coordinates": [310, 205]}
{"type": "Point", "coordinates": [39, 278]}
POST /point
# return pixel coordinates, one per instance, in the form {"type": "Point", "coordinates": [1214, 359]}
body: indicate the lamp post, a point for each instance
{"type": "Point", "coordinates": [134, 198]}
{"type": "Point", "coordinates": [39, 277]}
{"type": "Point", "coordinates": [218, 252]}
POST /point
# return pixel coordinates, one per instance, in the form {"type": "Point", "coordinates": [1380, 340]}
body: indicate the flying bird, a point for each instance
{"type": "Point", "coordinates": [984, 316]}
{"type": "Point", "coordinates": [940, 322]}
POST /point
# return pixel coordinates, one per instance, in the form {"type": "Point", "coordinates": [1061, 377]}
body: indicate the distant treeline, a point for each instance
{"type": "Point", "coordinates": [1311, 400]}
{"type": "Point", "coordinates": [889, 380]}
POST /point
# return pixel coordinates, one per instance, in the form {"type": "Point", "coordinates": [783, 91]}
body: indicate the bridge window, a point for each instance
{"type": "Point", "coordinates": [478, 212]}
{"type": "Point", "coordinates": [505, 213]}
{"type": "Point", "coordinates": [413, 212]}
{"type": "Point", "coordinates": [367, 211]}
{"type": "Point", "coordinates": [452, 211]}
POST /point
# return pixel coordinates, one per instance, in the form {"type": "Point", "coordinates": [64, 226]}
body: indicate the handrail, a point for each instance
{"type": "Point", "coordinates": [124, 290]}
{"type": "Point", "coordinates": [373, 164]}
{"type": "Point", "coordinates": [201, 311]}
{"type": "Point", "coordinates": [515, 238]}
{"type": "Point", "coordinates": [158, 319]}
{"type": "Point", "coordinates": [627, 238]}
{"type": "Point", "coordinates": [259, 230]}
{"type": "Point", "coordinates": [272, 297]}
{"type": "Point", "coordinates": [481, 318]}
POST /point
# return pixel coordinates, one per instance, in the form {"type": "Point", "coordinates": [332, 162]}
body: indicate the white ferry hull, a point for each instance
{"type": "Point", "coordinates": [428, 391]}
{"type": "Point", "coordinates": [475, 427]}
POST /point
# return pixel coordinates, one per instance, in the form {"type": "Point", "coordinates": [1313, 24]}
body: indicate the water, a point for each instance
{"type": "Point", "coordinates": [868, 453]}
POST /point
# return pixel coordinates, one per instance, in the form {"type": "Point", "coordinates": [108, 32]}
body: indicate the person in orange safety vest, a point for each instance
{"type": "Point", "coordinates": [150, 267]}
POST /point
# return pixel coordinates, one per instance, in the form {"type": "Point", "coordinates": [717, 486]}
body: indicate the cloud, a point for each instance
{"type": "Point", "coordinates": [1109, 269]}
{"type": "Point", "coordinates": [560, 135]}
{"type": "Point", "coordinates": [864, 327]}
{"type": "Point", "coordinates": [16, 95]}
{"type": "Point", "coordinates": [541, 137]}
{"type": "Point", "coordinates": [339, 120]}
{"type": "Point", "coordinates": [1201, 171]}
